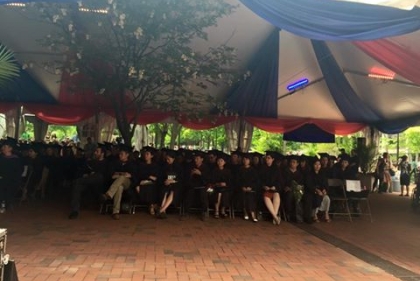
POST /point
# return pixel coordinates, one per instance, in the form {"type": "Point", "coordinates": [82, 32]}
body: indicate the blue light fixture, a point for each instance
{"type": "Point", "coordinates": [298, 84]}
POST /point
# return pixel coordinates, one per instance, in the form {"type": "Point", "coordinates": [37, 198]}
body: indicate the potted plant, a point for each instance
{"type": "Point", "coordinates": [367, 162]}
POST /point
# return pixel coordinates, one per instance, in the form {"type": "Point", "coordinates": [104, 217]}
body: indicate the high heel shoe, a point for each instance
{"type": "Point", "coordinates": [276, 220]}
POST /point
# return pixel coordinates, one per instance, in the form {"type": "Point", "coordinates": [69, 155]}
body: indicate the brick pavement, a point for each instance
{"type": "Point", "coordinates": [49, 247]}
{"type": "Point", "coordinates": [393, 235]}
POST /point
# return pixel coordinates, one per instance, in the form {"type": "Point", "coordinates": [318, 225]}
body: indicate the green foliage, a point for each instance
{"type": "Point", "coordinates": [263, 141]}
{"type": "Point", "coordinates": [8, 65]}
{"type": "Point", "coordinates": [366, 154]}
{"type": "Point", "coordinates": [413, 139]}
{"type": "Point", "coordinates": [140, 54]}
{"type": "Point", "coordinates": [62, 132]}
{"type": "Point", "coordinates": [205, 139]}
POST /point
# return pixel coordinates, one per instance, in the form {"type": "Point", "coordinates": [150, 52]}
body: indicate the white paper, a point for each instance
{"type": "Point", "coordinates": [353, 185]}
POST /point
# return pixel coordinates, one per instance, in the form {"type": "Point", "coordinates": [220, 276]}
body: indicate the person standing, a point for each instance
{"type": "Point", "coordinates": [405, 172]}
{"type": "Point", "coordinates": [388, 171]}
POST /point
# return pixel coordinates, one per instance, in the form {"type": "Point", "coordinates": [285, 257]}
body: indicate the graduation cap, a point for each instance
{"type": "Point", "coordinates": [171, 153]}
{"type": "Point", "coordinates": [323, 154]}
{"type": "Point", "coordinates": [199, 153]}
{"type": "Point", "coordinates": [332, 157]}
{"type": "Point", "coordinates": [148, 148]}
{"type": "Point", "coordinates": [36, 146]}
{"type": "Point", "coordinates": [214, 152]}
{"type": "Point", "coordinates": [108, 145]}
{"type": "Point", "coordinates": [273, 154]}
{"type": "Point", "coordinates": [247, 155]}
{"type": "Point", "coordinates": [186, 153]}
{"type": "Point", "coordinates": [222, 155]}
{"type": "Point", "coordinates": [235, 152]}
{"type": "Point", "coordinates": [293, 157]}
{"type": "Point", "coordinates": [312, 159]}
{"type": "Point", "coordinates": [101, 145]}
{"type": "Point", "coordinates": [9, 142]}
{"type": "Point", "coordinates": [303, 158]}
{"type": "Point", "coordinates": [125, 148]}
{"type": "Point", "coordinates": [345, 157]}
{"type": "Point", "coordinates": [24, 146]}
{"type": "Point", "coordinates": [257, 154]}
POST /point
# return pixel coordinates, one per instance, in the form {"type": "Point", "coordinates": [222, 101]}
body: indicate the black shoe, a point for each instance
{"type": "Point", "coordinates": [161, 215]}
{"type": "Point", "coordinates": [73, 215]}
{"type": "Point", "coordinates": [103, 198]}
{"type": "Point", "coordinates": [116, 216]}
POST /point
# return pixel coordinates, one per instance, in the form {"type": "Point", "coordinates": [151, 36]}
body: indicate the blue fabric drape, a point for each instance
{"type": "Point", "coordinates": [25, 89]}
{"type": "Point", "coordinates": [336, 20]}
{"type": "Point", "coordinates": [349, 103]}
{"type": "Point", "coordinates": [398, 125]}
{"type": "Point", "coordinates": [309, 133]}
{"type": "Point", "coordinates": [257, 95]}
{"type": "Point", "coordinates": [346, 99]}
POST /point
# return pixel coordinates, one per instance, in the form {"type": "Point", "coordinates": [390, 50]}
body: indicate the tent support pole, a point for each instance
{"type": "Point", "coordinates": [17, 121]}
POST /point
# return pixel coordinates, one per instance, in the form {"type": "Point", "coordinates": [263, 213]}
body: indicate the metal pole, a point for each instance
{"type": "Point", "coordinates": [17, 122]}
{"type": "Point", "coordinates": [398, 147]}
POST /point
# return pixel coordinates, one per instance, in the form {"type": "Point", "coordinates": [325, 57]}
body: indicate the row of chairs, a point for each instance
{"type": "Point", "coordinates": [348, 199]}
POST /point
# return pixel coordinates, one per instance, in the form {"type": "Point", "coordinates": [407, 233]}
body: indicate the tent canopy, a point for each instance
{"type": "Point", "coordinates": [279, 44]}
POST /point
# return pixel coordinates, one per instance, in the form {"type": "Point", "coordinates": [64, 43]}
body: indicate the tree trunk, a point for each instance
{"type": "Point", "coordinates": [124, 128]}
{"type": "Point", "coordinates": [175, 132]}
{"type": "Point", "coordinates": [158, 134]}
{"type": "Point", "coordinates": [164, 132]}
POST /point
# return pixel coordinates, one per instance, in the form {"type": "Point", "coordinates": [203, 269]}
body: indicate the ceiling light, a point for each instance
{"type": "Point", "coordinates": [98, 11]}
{"type": "Point", "coordinates": [298, 84]}
{"type": "Point", "coordinates": [379, 76]}
{"type": "Point", "coordinates": [16, 4]}
{"type": "Point", "coordinates": [382, 71]}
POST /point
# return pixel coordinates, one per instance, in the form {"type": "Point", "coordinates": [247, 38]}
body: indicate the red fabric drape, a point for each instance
{"type": "Point", "coordinates": [205, 123]}
{"type": "Point", "coordinates": [60, 114]}
{"type": "Point", "coordinates": [144, 118]}
{"type": "Point", "coordinates": [288, 125]}
{"type": "Point", "coordinates": [401, 60]}
{"type": "Point", "coordinates": [7, 106]}
{"type": "Point", "coordinates": [339, 128]}
{"type": "Point", "coordinates": [275, 125]}
{"type": "Point", "coordinates": [70, 115]}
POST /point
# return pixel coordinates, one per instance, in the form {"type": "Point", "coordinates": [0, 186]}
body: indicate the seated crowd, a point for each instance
{"type": "Point", "coordinates": [249, 183]}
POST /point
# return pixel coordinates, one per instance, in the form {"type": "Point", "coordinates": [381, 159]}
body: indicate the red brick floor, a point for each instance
{"type": "Point", "coordinates": [48, 247]}
{"type": "Point", "coordinates": [393, 235]}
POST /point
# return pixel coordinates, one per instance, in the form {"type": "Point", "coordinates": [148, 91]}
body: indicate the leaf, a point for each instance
{"type": "Point", "coordinates": [8, 65]}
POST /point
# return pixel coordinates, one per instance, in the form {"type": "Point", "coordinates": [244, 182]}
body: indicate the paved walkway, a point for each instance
{"type": "Point", "coordinates": [393, 235]}
{"type": "Point", "coordinates": [49, 247]}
